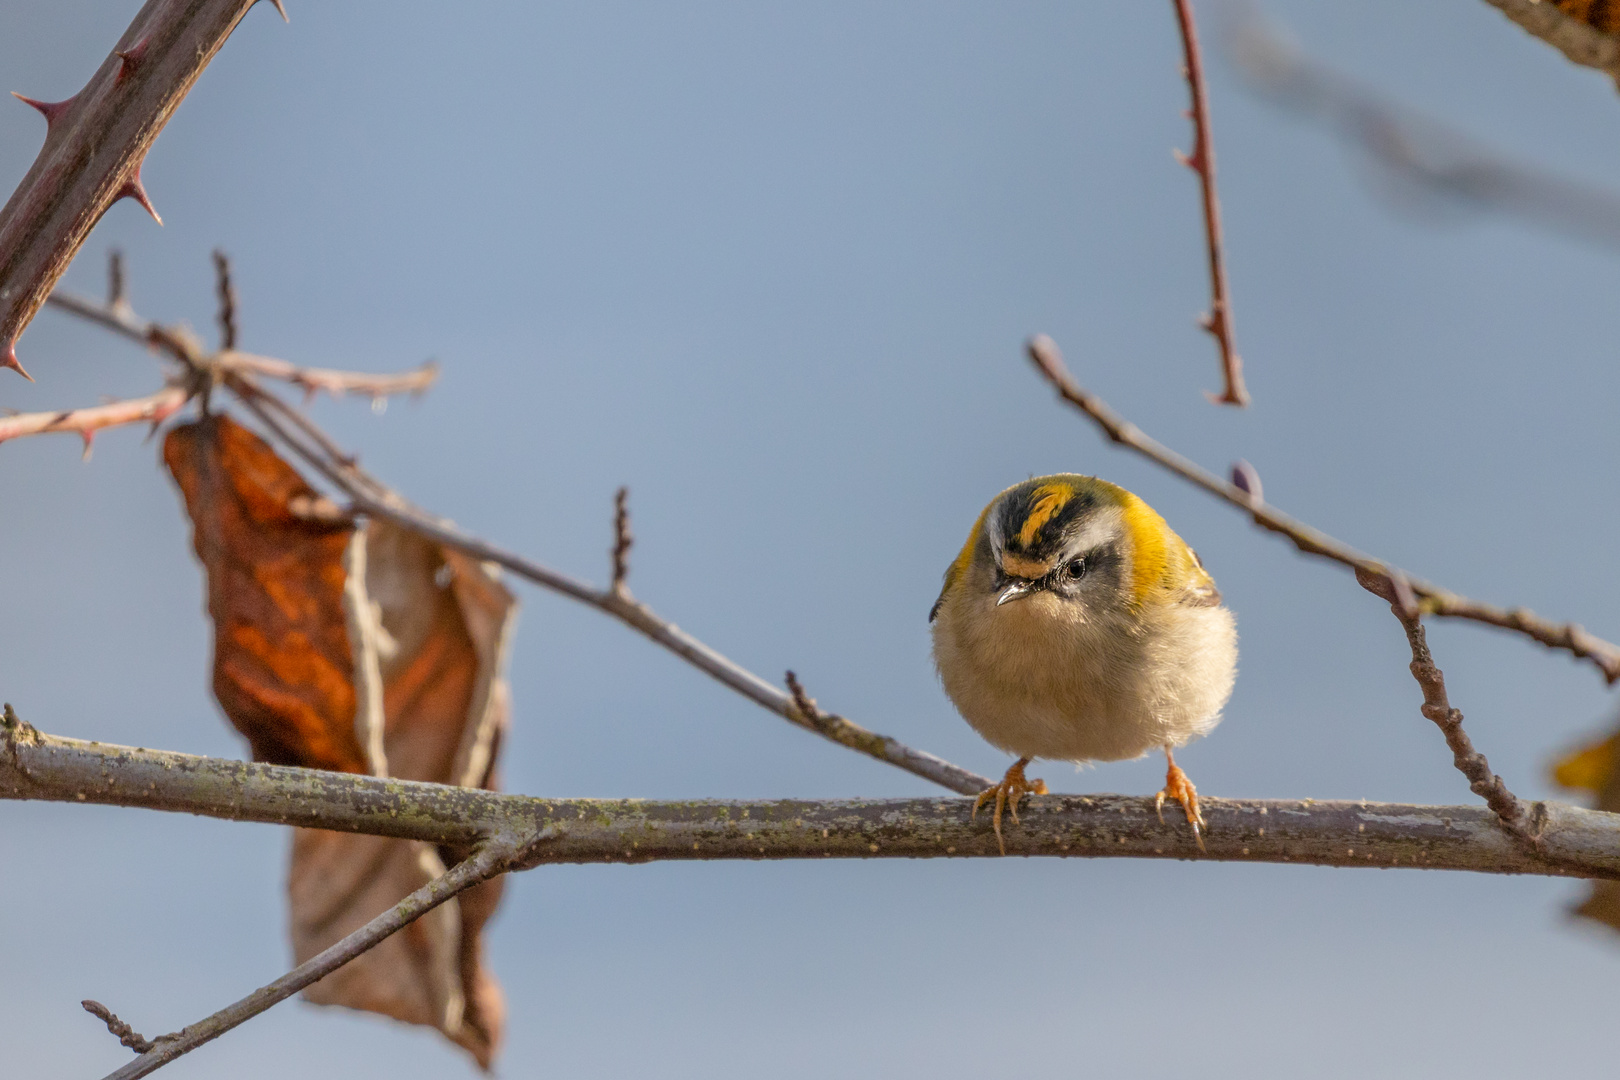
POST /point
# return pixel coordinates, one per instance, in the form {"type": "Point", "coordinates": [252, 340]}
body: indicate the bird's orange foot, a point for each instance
{"type": "Point", "coordinates": [1179, 788]}
{"type": "Point", "coordinates": [1012, 788]}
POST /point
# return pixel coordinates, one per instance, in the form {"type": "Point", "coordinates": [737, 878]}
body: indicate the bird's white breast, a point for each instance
{"type": "Point", "coordinates": [1042, 677]}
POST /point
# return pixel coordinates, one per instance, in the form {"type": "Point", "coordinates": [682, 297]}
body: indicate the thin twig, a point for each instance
{"type": "Point", "coordinates": [94, 147]}
{"type": "Point", "coordinates": [125, 1034]}
{"type": "Point", "coordinates": [227, 302]}
{"type": "Point", "coordinates": [154, 409]}
{"type": "Point", "coordinates": [1575, 842]}
{"type": "Point", "coordinates": [336, 383]}
{"type": "Point", "coordinates": [1437, 707]}
{"type": "Point", "coordinates": [1432, 599]}
{"type": "Point", "coordinates": [115, 280]}
{"type": "Point", "coordinates": [183, 347]}
{"type": "Point", "coordinates": [371, 496]}
{"type": "Point", "coordinates": [489, 860]}
{"type": "Point", "coordinates": [621, 542]}
{"type": "Point", "coordinates": [1202, 161]}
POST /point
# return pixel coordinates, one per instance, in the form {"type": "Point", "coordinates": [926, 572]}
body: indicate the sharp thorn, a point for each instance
{"type": "Point", "coordinates": [281, 10]}
{"type": "Point", "coordinates": [8, 358]}
{"type": "Point", "coordinates": [89, 443]}
{"type": "Point", "coordinates": [131, 58]}
{"type": "Point", "coordinates": [50, 110]}
{"type": "Point", "coordinates": [134, 189]}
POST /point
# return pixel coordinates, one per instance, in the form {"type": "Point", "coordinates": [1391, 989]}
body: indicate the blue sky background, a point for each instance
{"type": "Point", "coordinates": [772, 265]}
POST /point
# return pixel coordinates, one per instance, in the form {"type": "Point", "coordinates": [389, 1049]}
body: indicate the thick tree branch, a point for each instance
{"type": "Point", "coordinates": [94, 147]}
{"type": "Point", "coordinates": [1202, 161]}
{"type": "Point", "coordinates": [1431, 599]}
{"type": "Point", "coordinates": [1580, 43]}
{"type": "Point", "coordinates": [1574, 842]}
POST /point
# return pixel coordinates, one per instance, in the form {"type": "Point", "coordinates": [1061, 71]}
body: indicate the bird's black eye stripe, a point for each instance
{"type": "Point", "coordinates": [1076, 569]}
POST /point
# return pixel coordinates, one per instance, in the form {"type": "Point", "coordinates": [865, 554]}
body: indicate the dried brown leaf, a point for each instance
{"type": "Point", "coordinates": [303, 653]}
{"type": "Point", "coordinates": [283, 669]}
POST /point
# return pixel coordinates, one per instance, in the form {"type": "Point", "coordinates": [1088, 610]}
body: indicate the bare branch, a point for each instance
{"type": "Point", "coordinates": [336, 383]}
{"type": "Point", "coordinates": [299, 434]}
{"type": "Point", "coordinates": [1574, 842]}
{"type": "Point", "coordinates": [1580, 43]}
{"type": "Point", "coordinates": [490, 860]}
{"type": "Point", "coordinates": [621, 543]}
{"type": "Point", "coordinates": [154, 408]}
{"type": "Point", "coordinates": [1437, 707]}
{"type": "Point", "coordinates": [1202, 161]}
{"type": "Point", "coordinates": [1432, 599]}
{"type": "Point", "coordinates": [94, 147]}
{"type": "Point", "coordinates": [183, 347]}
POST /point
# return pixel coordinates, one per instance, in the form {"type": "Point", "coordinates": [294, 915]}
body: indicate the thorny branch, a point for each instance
{"type": "Point", "coordinates": [1431, 599]}
{"type": "Point", "coordinates": [95, 144]}
{"type": "Point", "coordinates": [154, 408]}
{"type": "Point", "coordinates": [1202, 161]}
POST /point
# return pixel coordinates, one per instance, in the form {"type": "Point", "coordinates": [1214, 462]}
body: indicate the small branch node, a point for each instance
{"type": "Point", "coordinates": [803, 704]}
{"type": "Point", "coordinates": [1246, 478]}
{"type": "Point", "coordinates": [125, 1034]}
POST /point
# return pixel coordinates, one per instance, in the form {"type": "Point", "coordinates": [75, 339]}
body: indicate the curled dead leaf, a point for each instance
{"type": "Point", "coordinates": [362, 648]}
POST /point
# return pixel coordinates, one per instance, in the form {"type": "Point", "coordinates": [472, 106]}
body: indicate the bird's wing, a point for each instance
{"type": "Point", "coordinates": [1200, 590]}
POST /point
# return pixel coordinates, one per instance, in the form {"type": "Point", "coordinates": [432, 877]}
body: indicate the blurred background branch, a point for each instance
{"type": "Point", "coordinates": [1419, 159]}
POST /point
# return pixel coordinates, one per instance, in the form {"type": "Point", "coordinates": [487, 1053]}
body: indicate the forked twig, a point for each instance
{"type": "Point", "coordinates": [299, 434]}
{"type": "Point", "coordinates": [1431, 599]}
{"type": "Point", "coordinates": [489, 860]}
{"type": "Point", "coordinates": [1437, 707]}
{"type": "Point", "coordinates": [1202, 161]}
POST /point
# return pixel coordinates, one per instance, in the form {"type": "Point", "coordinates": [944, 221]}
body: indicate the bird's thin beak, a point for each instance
{"type": "Point", "coordinates": [1014, 591]}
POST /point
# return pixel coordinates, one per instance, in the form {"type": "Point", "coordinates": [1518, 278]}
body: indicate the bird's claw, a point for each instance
{"type": "Point", "coordinates": [1179, 788]}
{"type": "Point", "coordinates": [1013, 788]}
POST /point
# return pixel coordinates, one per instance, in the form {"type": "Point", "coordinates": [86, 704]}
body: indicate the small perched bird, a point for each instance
{"type": "Point", "coordinates": [1075, 625]}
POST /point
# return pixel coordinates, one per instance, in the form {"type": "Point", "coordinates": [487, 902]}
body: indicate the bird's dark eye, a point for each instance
{"type": "Point", "coordinates": [1076, 569]}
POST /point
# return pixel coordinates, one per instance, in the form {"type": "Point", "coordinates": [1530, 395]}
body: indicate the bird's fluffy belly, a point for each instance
{"type": "Point", "coordinates": [1040, 680]}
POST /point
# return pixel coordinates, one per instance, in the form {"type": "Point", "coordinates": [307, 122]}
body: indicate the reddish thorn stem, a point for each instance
{"type": "Point", "coordinates": [134, 189]}
{"type": "Point", "coordinates": [131, 59]}
{"type": "Point", "coordinates": [50, 110]}
{"type": "Point", "coordinates": [8, 358]}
